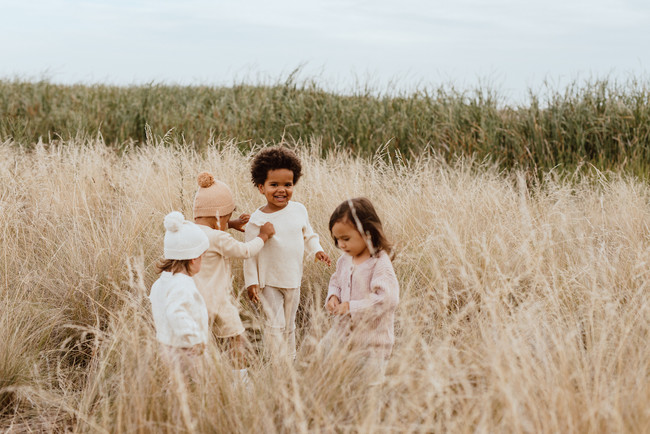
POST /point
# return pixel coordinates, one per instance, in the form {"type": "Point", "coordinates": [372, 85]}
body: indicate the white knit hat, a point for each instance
{"type": "Point", "coordinates": [183, 239]}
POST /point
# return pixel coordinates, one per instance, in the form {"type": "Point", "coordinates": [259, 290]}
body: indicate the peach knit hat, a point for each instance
{"type": "Point", "coordinates": [213, 199]}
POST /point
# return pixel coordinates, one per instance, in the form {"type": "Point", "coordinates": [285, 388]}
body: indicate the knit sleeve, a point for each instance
{"type": "Point", "coordinates": [229, 247]}
{"type": "Point", "coordinates": [384, 289]}
{"type": "Point", "coordinates": [179, 306]}
{"type": "Point", "coordinates": [251, 276]}
{"type": "Point", "coordinates": [312, 243]}
{"type": "Point", "coordinates": [334, 287]}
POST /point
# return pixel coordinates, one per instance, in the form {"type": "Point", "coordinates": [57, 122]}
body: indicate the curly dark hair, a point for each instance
{"type": "Point", "coordinates": [274, 158]}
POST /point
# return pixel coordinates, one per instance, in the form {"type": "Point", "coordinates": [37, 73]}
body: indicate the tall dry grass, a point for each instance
{"type": "Point", "coordinates": [524, 306]}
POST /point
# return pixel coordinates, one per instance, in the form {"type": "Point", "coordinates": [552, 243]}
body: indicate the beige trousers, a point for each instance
{"type": "Point", "coordinates": [280, 306]}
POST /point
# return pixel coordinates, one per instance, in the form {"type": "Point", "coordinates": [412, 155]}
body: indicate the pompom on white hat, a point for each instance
{"type": "Point", "coordinates": [183, 239]}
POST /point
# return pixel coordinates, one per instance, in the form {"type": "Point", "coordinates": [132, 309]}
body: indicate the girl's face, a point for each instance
{"type": "Point", "coordinates": [350, 240]}
{"type": "Point", "coordinates": [278, 189]}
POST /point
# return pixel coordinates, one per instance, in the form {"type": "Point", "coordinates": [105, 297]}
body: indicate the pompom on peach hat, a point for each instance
{"type": "Point", "coordinates": [213, 199]}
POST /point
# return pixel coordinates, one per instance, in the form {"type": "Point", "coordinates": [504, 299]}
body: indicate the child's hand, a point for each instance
{"type": "Point", "coordinates": [253, 293]}
{"type": "Point", "coordinates": [266, 231]}
{"type": "Point", "coordinates": [322, 256]}
{"type": "Point", "coordinates": [342, 309]}
{"type": "Point", "coordinates": [239, 223]}
{"type": "Point", "coordinates": [332, 304]}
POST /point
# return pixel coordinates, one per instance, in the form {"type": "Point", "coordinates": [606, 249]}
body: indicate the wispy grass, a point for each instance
{"type": "Point", "coordinates": [524, 304]}
{"type": "Point", "coordinates": [601, 122]}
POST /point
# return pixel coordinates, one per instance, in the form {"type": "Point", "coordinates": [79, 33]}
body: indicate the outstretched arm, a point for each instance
{"type": "Point", "coordinates": [251, 277]}
{"type": "Point", "coordinates": [239, 223]}
{"type": "Point", "coordinates": [312, 244]}
{"type": "Point", "coordinates": [229, 247]}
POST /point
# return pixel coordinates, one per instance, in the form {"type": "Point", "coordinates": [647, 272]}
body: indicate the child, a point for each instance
{"type": "Point", "coordinates": [179, 311]}
{"type": "Point", "coordinates": [213, 207]}
{"type": "Point", "coordinates": [277, 270]}
{"type": "Point", "coordinates": [363, 291]}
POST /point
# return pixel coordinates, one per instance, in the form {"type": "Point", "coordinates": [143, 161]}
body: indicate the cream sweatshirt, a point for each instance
{"type": "Point", "coordinates": [279, 263]}
{"type": "Point", "coordinates": [214, 281]}
{"type": "Point", "coordinates": [179, 312]}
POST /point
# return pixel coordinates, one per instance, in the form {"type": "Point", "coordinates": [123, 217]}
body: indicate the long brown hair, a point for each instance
{"type": "Point", "coordinates": [174, 266]}
{"type": "Point", "coordinates": [362, 215]}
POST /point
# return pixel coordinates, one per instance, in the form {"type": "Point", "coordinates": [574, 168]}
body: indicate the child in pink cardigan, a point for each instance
{"type": "Point", "coordinates": [363, 292]}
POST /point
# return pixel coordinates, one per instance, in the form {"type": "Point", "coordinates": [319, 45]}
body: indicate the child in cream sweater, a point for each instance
{"type": "Point", "coordinates": [213, 208]}
{"type": "Point", "coordinates": [274, 275]}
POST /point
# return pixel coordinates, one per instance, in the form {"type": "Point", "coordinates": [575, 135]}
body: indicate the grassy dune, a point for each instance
{"type": "Point", "coordinates": [524, 305]}
{"type": "Point", "coordinates": [600, 122]}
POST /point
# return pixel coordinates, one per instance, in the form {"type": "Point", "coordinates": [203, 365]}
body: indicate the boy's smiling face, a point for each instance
{"type": "Point", "coordinates": [277, 189]}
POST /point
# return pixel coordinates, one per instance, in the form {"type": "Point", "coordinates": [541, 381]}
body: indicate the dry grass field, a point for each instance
{"type": "Point", "coordinates": [524, 304]}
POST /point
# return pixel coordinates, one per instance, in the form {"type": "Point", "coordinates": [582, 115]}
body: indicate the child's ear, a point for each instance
{"type": "Point", "coordinates": [260, 188]}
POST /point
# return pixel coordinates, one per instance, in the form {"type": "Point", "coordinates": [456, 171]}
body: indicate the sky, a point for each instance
{"type": "Point", "coordinates": [508, 45]}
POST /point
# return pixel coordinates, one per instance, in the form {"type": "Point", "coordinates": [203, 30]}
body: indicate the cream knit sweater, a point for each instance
{"type": "Point", "coordinates": [279, 263]}
{"type": "Point", "coordinates": [214, 281]}
{"type": "Point", "coordinates": [179, 312]}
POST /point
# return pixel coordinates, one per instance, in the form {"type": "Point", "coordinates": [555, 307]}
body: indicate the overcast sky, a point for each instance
{"type": "Point", "coordinates": [510, 45]}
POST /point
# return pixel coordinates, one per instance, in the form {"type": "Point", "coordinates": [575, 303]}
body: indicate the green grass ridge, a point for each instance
{"type": "Point", "coordinates": [600, 122]}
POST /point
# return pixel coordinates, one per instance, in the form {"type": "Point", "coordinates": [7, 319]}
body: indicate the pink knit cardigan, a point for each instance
{"type": "Point", "coordinates": [373, 292]}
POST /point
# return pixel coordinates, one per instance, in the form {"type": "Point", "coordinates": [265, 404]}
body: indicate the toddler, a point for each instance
{"type": "Point", "coordinates": [179, 312]}
{"type": "Point", "coordinates": [277, 270]}
{"type": "Point", "coordinates": [363, 291]}
{"type": "Point", "coordinates": [213, 208]}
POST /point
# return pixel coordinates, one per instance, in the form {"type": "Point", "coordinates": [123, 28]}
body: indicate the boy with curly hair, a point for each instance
{"type": "Point", "coordinates": [274, 275]}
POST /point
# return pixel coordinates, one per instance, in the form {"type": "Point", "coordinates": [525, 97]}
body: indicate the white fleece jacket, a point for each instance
{"type": "Point", "coordinates": [179, 311]}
